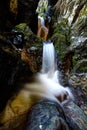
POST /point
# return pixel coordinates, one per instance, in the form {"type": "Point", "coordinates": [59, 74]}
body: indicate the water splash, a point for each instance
{"type": "Point", "coordinates": [49, 75]}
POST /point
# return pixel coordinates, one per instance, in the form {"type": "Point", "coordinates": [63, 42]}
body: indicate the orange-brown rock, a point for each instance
{"type": "Point", "coordinates": [29, 59]}
{"type": "Point", "coordinates": [39, 23]}
{"type": "Point", "coordinates": [43, 33]}
{"type": "Point", "coordinates": [42, 30]}
{"type": "Point", "coordinates": [33, 58]}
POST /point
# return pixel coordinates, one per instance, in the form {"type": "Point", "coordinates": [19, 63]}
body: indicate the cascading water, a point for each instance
{"type": "Point", "coordinates": [50, 76]}
{"type": "Point", "coordinates": [46, 84]}
{"type": "Point", "coordinates": [49, 61]}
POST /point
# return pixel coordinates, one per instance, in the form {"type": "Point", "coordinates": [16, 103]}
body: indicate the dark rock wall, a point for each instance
{"type": "Point", "coordinates": [4, 15]}
{"type": "Point", "coordinates": [52, 2]}
{"type": "Point", "coordinates": [26, 13]}
{"type": "Point", "coordinates": [12, 70]}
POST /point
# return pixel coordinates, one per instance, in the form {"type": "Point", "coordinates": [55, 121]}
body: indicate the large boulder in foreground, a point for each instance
{"type": "Point", "coordinates": [46, 115]}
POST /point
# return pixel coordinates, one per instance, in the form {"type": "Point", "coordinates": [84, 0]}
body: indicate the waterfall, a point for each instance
{"type": "Point", "coordinates": [48, 62]}
{"type": "Point", "coordinates": [50, 74]}
{"type": "Point", "coordinates": [46, 83]}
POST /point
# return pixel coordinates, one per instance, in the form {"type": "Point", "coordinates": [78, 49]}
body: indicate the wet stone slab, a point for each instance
{"type": "Point", "coordinates": [46, 115]}
{"type": "Point", "coordinates": [76, 118]}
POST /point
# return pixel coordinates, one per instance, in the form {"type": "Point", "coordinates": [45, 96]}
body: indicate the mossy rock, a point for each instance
{"type": "Point", "coordinates": [81, 66]}
{"type": "Point", "coordinates": [29, 37]}
{"type": "Point", "coordinates": [80, 57]}
{"type": "Point", "coordinates": [62, 27]}
{"type": "Point", "coordinates": [60, 47]}
{"type": "Point", "coordinates": [61, 38]}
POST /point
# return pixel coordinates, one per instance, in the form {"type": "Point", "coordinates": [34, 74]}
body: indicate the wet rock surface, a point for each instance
{"type": "Point", "coordinates": [79, 80]}
{"type": "Point", "coordinates": [46, 115]}
{"type": "Point", "coordinates": [75, 116]}
{"type": "Point", "coordinates": [79, 89]}
{"type": "Point", "coordinates": [80, 55]}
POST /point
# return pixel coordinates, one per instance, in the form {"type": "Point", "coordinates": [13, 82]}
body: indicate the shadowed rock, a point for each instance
{"type": "Point", "coordinates": [46, 115]}
{"type": "Point", "coordinates": [12, 70]}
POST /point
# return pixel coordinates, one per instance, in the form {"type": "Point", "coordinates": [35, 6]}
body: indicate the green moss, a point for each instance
{"type": "Point", "coordinates": [81, 66]}
{"type": "Point", "coordinates": [42, 7]}
{"type": "Point", "coordinates": [24, 29]}
{"type": "Point", "coordinates": [61, 38]}
{"type": "Point", "coordinates": [74, 60]}
{"type": "Point", "coordinates": [84, 69]}
{"type": "Point", "coordinates": [29, 37]}
{"type": "Point", "coordinates": [60, 47]}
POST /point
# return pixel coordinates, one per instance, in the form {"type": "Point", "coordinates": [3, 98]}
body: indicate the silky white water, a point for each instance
{"type": "Point", "coordinates": [47, 83]}
{"type": "Point", "coordinates": [49, 61]}
{"type": "Point", "coordinates": [49, 75]}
